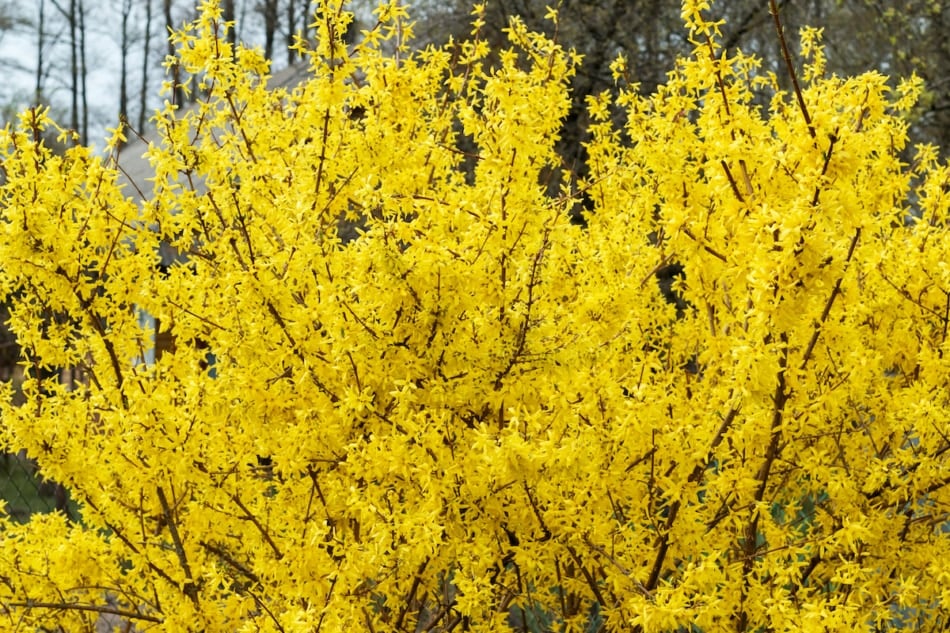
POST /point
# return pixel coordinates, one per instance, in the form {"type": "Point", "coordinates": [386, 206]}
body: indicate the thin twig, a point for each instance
{"type": "Point", "coordinates": [412, 594]}
{"type": "Point", "coordinates": [732, 181]}
{"type": "Point", "coordinates": [230, 560]}
{"type": "Point", "coordinates": [260, 528]}
{"type": "Point", "coordinates": [190, 589]}
{"type": "Point", "coordinates": [106, 610]}
{"type": "Point", "coordinates": [623, 570]}
{"type": "Point", "coordinates": [828, 304]}
{"type": "Point", "coordinates": [780, 30]}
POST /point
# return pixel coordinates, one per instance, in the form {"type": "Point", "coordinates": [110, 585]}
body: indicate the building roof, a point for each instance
{"type": "Point", "coordinates": [136, 170]}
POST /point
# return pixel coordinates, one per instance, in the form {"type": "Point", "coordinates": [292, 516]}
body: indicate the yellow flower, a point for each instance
{"type": "Point", "coordinates": [406, 391]}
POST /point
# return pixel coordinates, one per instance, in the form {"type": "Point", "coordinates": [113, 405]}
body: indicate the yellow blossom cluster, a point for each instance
{"type": "Point", "coordinates": [478, 415]}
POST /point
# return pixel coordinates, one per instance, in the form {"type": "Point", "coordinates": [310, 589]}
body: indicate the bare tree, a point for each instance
{"type": "Point", "coordinates": [83, 71]}
{"type": "Point", "coordinates": [70, 15]}
{"type": "Point", "coordinates": [40, 46]}
{"type": "Point", "coordinates": [860, 35]}
{"type": "Point", "coordinates": [178, 94]}
{"type": "Point", "coordinates": [269, 11]}
{"type": "Point", "coordinates": [125, 45]}
{"type": "Point", "coordinates": [228, 13]}
{"type": "Point", "coordinates": [74, 15]}
{"type": "Point", "coordinates": [298, 17]}
{"type": "Point", "coordinates": [648, 32]}
{"type": "Point", "coordinates": [146, 60]}
{"type": "Point", "coordinates": [291, 26]}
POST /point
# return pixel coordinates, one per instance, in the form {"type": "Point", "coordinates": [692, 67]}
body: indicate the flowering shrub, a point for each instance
{"type": "Point", "coordinates": [478, 415]}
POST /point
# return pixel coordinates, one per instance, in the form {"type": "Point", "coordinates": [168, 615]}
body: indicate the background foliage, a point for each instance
{"type": "Point", "coordinates": [94, 60]}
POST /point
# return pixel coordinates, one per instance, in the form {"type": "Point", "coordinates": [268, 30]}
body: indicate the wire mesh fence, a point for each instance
{"type": "Point", "coordinates": [24, 492]}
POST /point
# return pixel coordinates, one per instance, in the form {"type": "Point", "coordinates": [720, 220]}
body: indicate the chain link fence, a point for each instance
{"type": "Point", "coordinates": [24, 492]}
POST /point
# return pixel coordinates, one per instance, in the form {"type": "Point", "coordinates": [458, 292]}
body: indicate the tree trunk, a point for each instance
{"type": "Point", "coordinates": [124, 63]}
{"type": "Point", "coordinates": [178, 96]}
{"type": "Point", "coordinates": [146, 49]}
{"type": "Point", "coordinates": [268, 9]}
{"type": "Point", "coordinates": [227, 10]}
{"type": "Point", "coordinates": [83, 74]}
{"type": "Point", "coordinates": [73, 66]}
{"type": "Point", "coordinates": [40, 43]}
{"type": "Point", "coordinates": [291, 21]}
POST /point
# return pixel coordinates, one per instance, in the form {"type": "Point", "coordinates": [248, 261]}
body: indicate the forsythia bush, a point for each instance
{"type": "Point", "coordinates": [478, 415]}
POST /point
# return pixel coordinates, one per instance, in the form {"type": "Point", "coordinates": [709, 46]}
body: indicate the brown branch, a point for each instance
{"type": "Point", "coordinates": [191, 313]}
{"type": "Point", "coordinates": [537, 512]}
{"type": "Point", "coordinates": [106, 610]}
{"type": "Point", "coordinates": [663, 262]}
{"type": "Point", "coordinates": [663, 543]}
{"type": "Point", "coordinates": [359, 320]}
{"type": "Point", "coordinates": [906, 295]}
{"type": "Point", "coordinates": [706, 247]}
{"type": "Point", "coordinates": [96, 321]}
{"type": "Point", "coordinates": [272, 309]}
{"type": "Point", "coordinates": [260, 528]}
{"type": "Point", "coordinates": [227, 558]}
{"type": "Point", "coordinates": [242, 224]}
{"type": "Point", "coordinates": [369, 621]}
{"type": "Point", "coordinates": [623, 570]}
{"type": "Point", "coordinates": [237, 119]}
{"type": "Point", "coordinates": [326, 601]}
{"type": "Point", "coordinates": [323, 157]}
{"type": "Point", "coordinates": [787, 56]}
{"type": "Point", "coordinates": [732, 181]}
{"type": "Point", "coordinates": [260, 603]}
{"type": "Point", "coordinates": [560, 589]}
{"type": "Point", "coordinates": [221, 219]}
{"type": "Point", "coordinates": [750, 546]}
{"type": "Point", "coordinates": [720, 83]}
{"type": "Point", "coordinates": [337, 190]}
{"type": "Point", "coordinates": [112, 247]}
{"type": "Point", "coordinates": [946, 320]}
{"type": "Point", "coordinates": [810, 348]}
{"type": "Point", "coordinates": [649, 454]}
{"type": "Point", "coordinates": [806, 572]}
{"type": "Point", "coordinates": [114, 529]}
{"type": "Point", "coordinates": [521, 341]}
{"type": "Point", "coordinates": [833, 138]}
{"type": "Point", "coordinates": [190, 589]}
{"type": "Point", "coordinates": [416, 581]}
{"type": "Point", "coordinates": [587, 576]}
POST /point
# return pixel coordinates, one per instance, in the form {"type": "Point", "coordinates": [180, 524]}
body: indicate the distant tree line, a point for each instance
{"type": "Point", "coordinates": [70, 38]}
{"type": "Point", "coordinates": [859, 35]}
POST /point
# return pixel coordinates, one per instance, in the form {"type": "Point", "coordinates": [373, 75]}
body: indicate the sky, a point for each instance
{"type": "Point", "coordinates": [18, 53]}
